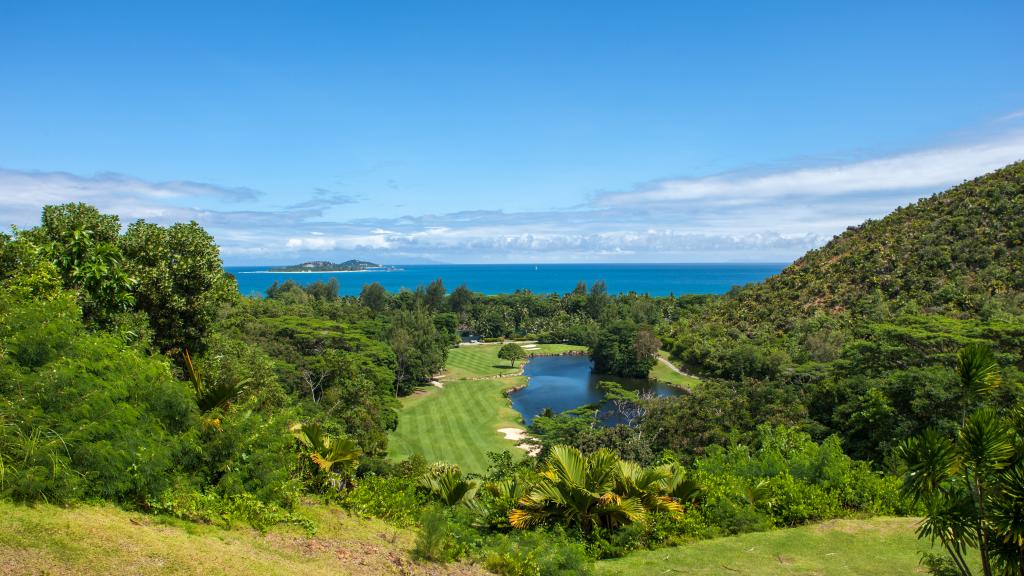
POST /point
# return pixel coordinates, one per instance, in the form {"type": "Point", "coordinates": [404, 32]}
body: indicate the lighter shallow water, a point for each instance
{"type": "Point", "coordinates": [652, 279]}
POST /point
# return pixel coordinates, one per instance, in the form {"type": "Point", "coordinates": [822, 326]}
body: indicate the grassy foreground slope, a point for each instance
{"type": "Point", "coordinates": [879, 546]}
{"type": "Point", "coordinates": [458, 423]}
{"type": "Point", "coordinates": [86, 540]}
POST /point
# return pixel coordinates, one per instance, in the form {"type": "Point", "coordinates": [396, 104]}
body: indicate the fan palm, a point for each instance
{"type": "Point", "coordinates": [680, 486]}
{"type": "Point", "coordinates": [593, 492]}
{"type": "Point", "coordinates": [445, 483]}
{"type": "Point", "coordinates": [502, 496]}
{"type": "Point", "coordinates": [335, 457]}
{"type": "Point", "coordinates": [648, 486]}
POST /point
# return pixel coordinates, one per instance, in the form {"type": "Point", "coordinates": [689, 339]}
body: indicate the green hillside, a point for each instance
{"type": "Point", "coordinates": [952, 251]}
{"type": "Point", "coordinates": [858, 338]}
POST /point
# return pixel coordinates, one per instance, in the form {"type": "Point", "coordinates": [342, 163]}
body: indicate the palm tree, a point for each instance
{"type": "Point", "coordinates": [445, 483]}
{"type": "Point", "coordinates": [335, 458]}
{"type": "Point", "coordinates": [978, 371]}
{"type": "Point", "coordinates": [501, 496]}
{"type": "Point", "coordinates": [220, 394]}
{"type": "Point", "coordinates": [648, 486]}
{"type": "Point", "coordinates": [594, 492]}
{"type": "Point", "coordinates": [678, 485]}
{"type": "Point", "coordinates": [972, 489]}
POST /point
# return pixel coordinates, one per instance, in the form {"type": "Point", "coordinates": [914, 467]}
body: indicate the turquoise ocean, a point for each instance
{"type": "Point", "coordinates": [652, 279]}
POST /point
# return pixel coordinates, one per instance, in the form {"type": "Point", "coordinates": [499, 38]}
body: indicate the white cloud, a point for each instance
{"type": "Point", "coordinates": [23, 193]}
{"type": "Point", "coordinates": [319, 241]}
{"type": "Point", "coordinates": [729, 217]}
{"type": "Point", "coordinates": [909, 171]}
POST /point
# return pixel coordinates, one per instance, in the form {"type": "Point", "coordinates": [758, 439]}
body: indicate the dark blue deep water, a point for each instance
{"type": "Point", "coordinates": [566, 382]}
{"type": "Point", "coordinates": [653, 279]}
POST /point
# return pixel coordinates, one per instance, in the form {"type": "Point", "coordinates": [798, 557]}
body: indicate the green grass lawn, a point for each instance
{"type": "Point", "coordinates": [103, 539]}
{"type": "Point", "coordinates": [480, 360]}
{"type": "Point", "coordinates": [458, 423]}
{"type": "Point", "coordinates": [876, 546]}
{"type": "Point", "coordinates": [670, 376]}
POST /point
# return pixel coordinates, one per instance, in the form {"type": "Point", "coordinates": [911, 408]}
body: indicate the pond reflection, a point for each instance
{"type": "Point", "coordinates": [565, 382]}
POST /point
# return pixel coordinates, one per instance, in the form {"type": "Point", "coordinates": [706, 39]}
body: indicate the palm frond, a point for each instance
{"type": "Point", "coordinates": [978, 370]}
{"type": "Point", "coordinates": [931, 460]}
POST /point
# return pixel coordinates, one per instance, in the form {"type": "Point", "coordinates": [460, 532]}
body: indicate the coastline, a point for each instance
{"type": "Point", "coordinates": [307, 271]}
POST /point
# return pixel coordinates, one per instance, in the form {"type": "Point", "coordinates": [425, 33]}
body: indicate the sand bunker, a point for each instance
{"type": "Point", "coordinates": [515, 434]}
{"type": "Point", "coordinates": [523, 441]}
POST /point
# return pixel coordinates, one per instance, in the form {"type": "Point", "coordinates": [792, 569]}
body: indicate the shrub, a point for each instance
{"type": "Point", "coordinates": [445, 535]}
{"type": "Point", "coordinates": [800, 481]}
{"type": "Point", "coordinates": [791, 502]}
{"type": "Point", "coordinates": [114, 413]}
{"type": "Point", "coordinates": [244, 365]}
{"type": "Point", "coordinates": [537, 553]}
{"type": "Point", "coordinates": [181, 501]}
{"type": "Point", "coordinates": [659, 529]}
{"type": "Point", "coordinates": [245, 451]}
{"type": "Point", "coordinates": [939, 565]}
{"type": "Point", "coordinates": [390, 498]}
{"type": "Point", "coordinates": [35, 465]}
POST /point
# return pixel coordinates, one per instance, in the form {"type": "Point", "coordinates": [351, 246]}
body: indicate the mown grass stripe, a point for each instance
{"type": "Point", "coordinates": [457, 424]}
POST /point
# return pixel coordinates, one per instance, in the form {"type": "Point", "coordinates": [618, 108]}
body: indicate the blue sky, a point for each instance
{"type": "Point", "coordinates": [505, 132]}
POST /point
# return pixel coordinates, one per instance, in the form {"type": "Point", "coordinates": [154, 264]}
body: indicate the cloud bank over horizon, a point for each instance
{"type": "Point", "coordinates": [771, 216]}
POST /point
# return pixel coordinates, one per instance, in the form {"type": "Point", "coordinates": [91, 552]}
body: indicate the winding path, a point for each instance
{"type": "Point", "coordinates": [673, 367]}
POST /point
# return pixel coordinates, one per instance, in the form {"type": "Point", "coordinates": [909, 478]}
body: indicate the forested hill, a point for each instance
{"type": "Point", "coordinates": [858, 338]}
{"type": "Point", "coordinates": [951, 251]}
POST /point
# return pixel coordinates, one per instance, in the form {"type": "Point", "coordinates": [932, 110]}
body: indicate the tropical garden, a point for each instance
{"type": "Point", "coordinates": [878, 375]}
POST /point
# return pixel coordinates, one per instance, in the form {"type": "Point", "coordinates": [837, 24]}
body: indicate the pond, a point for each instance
{"type": "Point", "coordinates": [565, 382]}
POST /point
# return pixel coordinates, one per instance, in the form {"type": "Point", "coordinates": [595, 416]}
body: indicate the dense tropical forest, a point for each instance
{"type": "Point", "coordinates": [878, 375]}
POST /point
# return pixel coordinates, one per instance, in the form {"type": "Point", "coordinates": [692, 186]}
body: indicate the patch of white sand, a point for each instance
{"type": "Point", "coordinates": [437, 384]}
{"type": "Point", "coordinates": [515, 434]}
{"type": "Point", "coordinates": [523, 441]}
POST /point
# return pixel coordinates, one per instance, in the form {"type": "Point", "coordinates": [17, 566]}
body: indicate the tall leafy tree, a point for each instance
{"type": "Point", "coordinates": [60, 220]}
{"type": "Point", "coordinates": [460, 301]}
{"type": "Point", "coordinates": [82, 244]}
{"type": "Point", "coordinates": [26, 269]}
{"type": "Point", "coordinates": [433, 297]}
{"type": "Point", "coordinates": [374, 297]}
{"type": "Point", "coordinates": [512, 352]}
{"type": "Point", "coordinates": [420, 349]}
{"type": "Point", "coordinates": [625, 349]}
{"type": "Point", "coordinates": [599, 301]}
{"type": "Point", "coordinates": [180, 281]}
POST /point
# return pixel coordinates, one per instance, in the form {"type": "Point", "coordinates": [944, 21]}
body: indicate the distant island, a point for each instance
{"type": "Point", "coordinates": [325, 266]}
